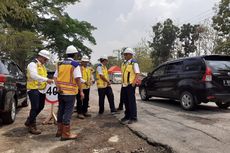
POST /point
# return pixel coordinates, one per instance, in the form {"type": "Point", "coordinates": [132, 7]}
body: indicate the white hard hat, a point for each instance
{"type": "Point", "coordinates": [71, 50]}
{"type": "Point", "coordinates": [104, 57]}
{"type": "Point", "coordinates": [129, 50]}
{"type": "Point", "coordinates": [85, 58]}
{"type": "Point", "coordinates": [44, 53]}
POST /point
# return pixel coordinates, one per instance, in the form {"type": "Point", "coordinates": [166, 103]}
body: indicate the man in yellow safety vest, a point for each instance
{"type": "Point", "coordinates": [67, 78]}
{"type": "Point", "coordinates": [130, 71]}
{"type": "Point", "coordinates": [104, 86]}
{"type": "Point", "coordinates": [86, 81]}
{"type": "Point", "coordinates": [36, 84]}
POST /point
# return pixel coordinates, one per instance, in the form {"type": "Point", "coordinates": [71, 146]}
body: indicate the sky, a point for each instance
{"type": "Point", "coordinates": [124, 23]}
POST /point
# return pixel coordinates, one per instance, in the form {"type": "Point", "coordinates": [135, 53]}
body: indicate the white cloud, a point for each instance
{"type": "Point", "coordinates": [125, 22]}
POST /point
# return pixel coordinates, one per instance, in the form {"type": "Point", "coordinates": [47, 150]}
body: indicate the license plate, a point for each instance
{"type": "Point", "coordinates": [226, 82]}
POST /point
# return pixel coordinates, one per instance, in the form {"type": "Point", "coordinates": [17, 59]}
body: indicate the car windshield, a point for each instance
{"type": "Point", "coordinates": [117, 75]}
{"type": "Point", "coordinates": [3, 69]}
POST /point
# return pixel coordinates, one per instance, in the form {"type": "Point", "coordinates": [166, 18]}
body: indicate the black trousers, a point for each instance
{"type": "Point", "coordinates": [130, 102]}
{"type": "Point", "coordinates": [121, 104]}
{"type": "Point", "coordinates": [102, 92]}
{"type": "Point", "coordinates": [65, 108]}
{"type": "Point", "coordinates": [37, 101]}
{"type": "Point", "coordinates": [82, 105]}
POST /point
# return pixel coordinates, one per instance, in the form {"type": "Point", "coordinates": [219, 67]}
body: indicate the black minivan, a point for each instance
{"type": "Point", "coordinates": [12, 90]}
{"type": "Point", "coordinates": [192, 81]}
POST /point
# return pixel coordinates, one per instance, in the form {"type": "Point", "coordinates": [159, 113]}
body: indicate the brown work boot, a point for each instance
{"type": "Point", "coordinates": [66, 135]}
{"type": "Point", "coordinates": [33, 129]}
{"type": "Point", "coordinates": [59, 130]}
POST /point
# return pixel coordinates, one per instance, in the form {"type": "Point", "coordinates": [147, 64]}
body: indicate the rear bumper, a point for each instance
{"type": "Point", "coordinates": [225, 98]}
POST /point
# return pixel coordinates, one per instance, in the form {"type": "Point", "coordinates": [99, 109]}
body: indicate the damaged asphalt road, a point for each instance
{"type": "Point", "coordinates": [162, 127]}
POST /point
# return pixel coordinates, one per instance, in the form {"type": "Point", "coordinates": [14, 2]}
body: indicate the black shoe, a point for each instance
{"type": "Point", "coordinates": [119, 109]}
{"type": "Point", "coordinates": [87, 115]}
{"type": "Point", "coordinates": [27, 123]}
{"type": "Point", "coordinates": [124, 119]}
{"type": "Point", "coordinates": [131, 121]}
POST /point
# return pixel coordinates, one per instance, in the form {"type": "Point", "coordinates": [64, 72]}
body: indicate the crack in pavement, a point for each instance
{"type": "Point", "coordinates": [152, 114]}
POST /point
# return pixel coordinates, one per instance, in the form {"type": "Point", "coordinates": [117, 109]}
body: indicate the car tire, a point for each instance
{"type": "Point", "coordinates": [10, 116]}
{"type": "Point", "coordinates": [223, 105]}
{"type": "Point", "coordinates": [143, 94]}
{"type": "Point", "coordinates": [187, 101]}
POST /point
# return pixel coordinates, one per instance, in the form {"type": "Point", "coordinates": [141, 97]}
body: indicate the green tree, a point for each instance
{"type": "Point", "coordinates": [46, 19]}
{"type": "Point", "coordinates": [143, 56]}
{"type": "Point", "coordinates": [162, 44]}
{"type": "Point", "coordinates": [189, 34]}
{"type": "Point", "coordinates": [17, 14]}
{"type": "Point", "coordinates": [221, 23]}
{"type": "Point", "coordinates": [59, 29]}
{"type": "Point", "coordinates": [19, 46]}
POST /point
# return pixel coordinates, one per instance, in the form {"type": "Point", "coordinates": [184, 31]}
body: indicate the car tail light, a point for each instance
{"type": "Point", "coordinates": [2, 80]}
{"type": "Point", "coordinates": [208, 75]}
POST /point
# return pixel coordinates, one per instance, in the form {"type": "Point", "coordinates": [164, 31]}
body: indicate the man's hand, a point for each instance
{"type": "Point", "coordinates": [82, 95]}
{"type": "Point", "coordinates": [109, 83]}
{"type": "Point", "coordinates": [134, 84]}
{"type": "Point", "coordinates": [49, 81]}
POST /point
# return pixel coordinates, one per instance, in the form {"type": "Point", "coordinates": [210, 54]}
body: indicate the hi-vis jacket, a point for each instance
{"type": "Point", "coordinates": [65, 78]}
{"type": "Point", "coordinates": [86, 77]}
{"type": "Point", "coordinates": [34, 84]}
{"type": "Point", "coordinates": [128, 73]}
{"type": "Point", "coordinates": [100, 82]}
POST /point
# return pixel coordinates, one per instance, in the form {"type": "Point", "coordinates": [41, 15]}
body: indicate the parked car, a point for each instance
{"type": "Point", "coordinates": [115, 77]}
{"type": "Point", "coordinates": [191, 80]}
{"type": "Point", "coordinates": [12, 90]}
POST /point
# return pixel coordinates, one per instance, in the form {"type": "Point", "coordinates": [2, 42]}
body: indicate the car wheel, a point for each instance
{"type": "Point", "coordinates": [187, 101]}
{"type": "Point", "coordinates": [9, 117]}
{"type": "Point", "coordinates": [143, 94]}
{"type": "Point", "coordinates": [223, 105]}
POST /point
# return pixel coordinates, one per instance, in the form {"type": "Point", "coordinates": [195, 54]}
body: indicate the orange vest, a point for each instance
{"type": "Point", "coordinates": [65, 80]}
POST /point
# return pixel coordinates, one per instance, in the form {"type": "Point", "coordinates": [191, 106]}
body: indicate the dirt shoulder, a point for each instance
{"type": "Point", "coordinates": [97, 134]}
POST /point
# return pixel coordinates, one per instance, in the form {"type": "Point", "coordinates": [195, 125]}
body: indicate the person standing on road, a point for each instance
{"type": "Point", "coordinates": [36, 84]}
{"type": "Point", "coordinates": [67, 78]}
{"type": "Point", "coordinates": [86, 81]}
{"type": "Point", "coordinates": [130, 72]}
{"type": "Point", "coordinates": [104, 86]}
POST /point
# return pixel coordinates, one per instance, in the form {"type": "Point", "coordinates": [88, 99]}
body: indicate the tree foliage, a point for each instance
{"type": "Point", "coordinates": [189, 34]}
{"type": "Point", "coordinates": [163, 41]}
{"type": "Point", "coordinates": [221, 23]}
{"type": "Point", "coordinates": [59, 29]}
{"type": "Point", "coordinates": [17, 14]}
{"type": "Point", "coordinates": [44, 19]}
{"type": "Point", "coordinates": [19, 45]}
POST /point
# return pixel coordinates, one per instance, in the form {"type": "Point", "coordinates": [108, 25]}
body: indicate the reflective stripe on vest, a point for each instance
{"type": "Point", "coordinates": [86, 75]}
{"type": "Point", "coordinates": [33, 84]}
{"type": "Point", "coordinates": [128, 74]}
{"type": "Point", "coordinates": [100, 82]}
{"type": "Point", "coordinates": [65, 80]}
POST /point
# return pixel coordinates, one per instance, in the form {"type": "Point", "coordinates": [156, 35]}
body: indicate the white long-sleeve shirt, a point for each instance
{"type": "Point", "coordinates": [33, 71]}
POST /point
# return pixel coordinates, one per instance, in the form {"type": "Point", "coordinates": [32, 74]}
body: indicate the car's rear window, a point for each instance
{"type": "Point", "coordinates": [216, 63]}
{"type": "Point", "coordinates": [3, 69]}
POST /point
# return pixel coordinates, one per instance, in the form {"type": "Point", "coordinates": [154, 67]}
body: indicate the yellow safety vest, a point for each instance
{"type": "Point", "coordinates": [33, 84]}
{"type": "Point", "coordinates": [128, 73]}
{"type": "Point", "coordinates": [65, 79]}
{"type": "Point", "coordinates": [86, 75]}
{"type": "Point", "coordinates": [100, 82]}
